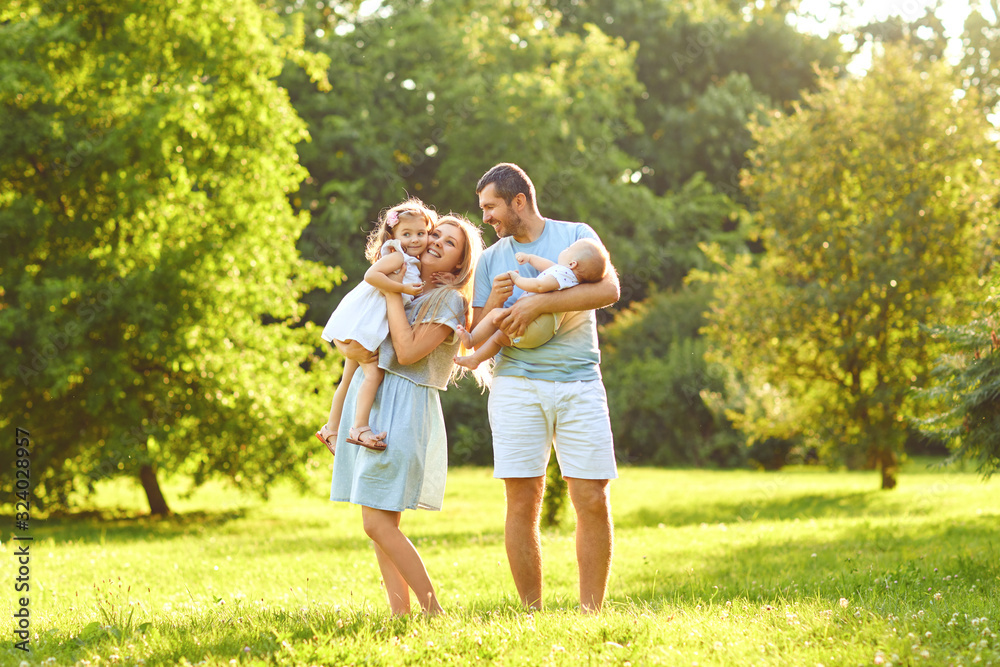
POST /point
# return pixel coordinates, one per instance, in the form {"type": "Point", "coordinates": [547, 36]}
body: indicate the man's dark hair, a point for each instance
{"type": "Point", "coordinates": [509, 180]}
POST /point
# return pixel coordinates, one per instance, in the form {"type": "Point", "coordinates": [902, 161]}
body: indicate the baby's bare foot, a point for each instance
{"type": "Point", "coordinates": [467, 362]}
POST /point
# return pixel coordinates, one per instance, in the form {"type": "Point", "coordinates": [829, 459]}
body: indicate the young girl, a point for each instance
{"type": "Point", "coordinates": [393, 248]}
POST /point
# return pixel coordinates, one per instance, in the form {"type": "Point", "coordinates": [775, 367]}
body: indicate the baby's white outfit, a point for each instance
{"type": "Point", "coordinates": [361, 314]}
{"type": "Point", "coordinates": [563, 275]}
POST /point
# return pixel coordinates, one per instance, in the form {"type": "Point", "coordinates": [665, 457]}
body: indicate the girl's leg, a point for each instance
{"type": "Point", "coordinates": [337, 406]}
{"type": "Point", "coordinates": [366, 399]}
{"type": "Point", "coordinates": [382, 526]}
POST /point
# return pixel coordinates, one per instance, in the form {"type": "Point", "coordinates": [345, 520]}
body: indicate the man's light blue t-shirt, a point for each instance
{"type": "Point", "coordinates": [572, 354]}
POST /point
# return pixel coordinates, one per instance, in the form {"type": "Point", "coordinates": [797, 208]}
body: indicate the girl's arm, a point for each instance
{"type": "Point", "coordinates": [539, 263]}
{"type": "Point", "coordinates": [538, 285]}
{"type": "Point", "coordinates": [412, 343]}
{"type": "Point", "coordinates": [378, 276]}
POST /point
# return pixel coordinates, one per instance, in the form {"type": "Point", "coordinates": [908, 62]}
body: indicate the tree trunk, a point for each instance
{"type": "Point", "coordinates": [890, 468]}
{"type": "Point", "coordinates": [157, 503]}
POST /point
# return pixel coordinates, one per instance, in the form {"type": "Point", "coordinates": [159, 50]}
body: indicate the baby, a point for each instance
{"type": "Point", "coordinates": [584, 261]}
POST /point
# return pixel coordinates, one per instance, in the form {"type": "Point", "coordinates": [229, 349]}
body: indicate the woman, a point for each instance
{"type": "Point", "coordinates": [417, 358]}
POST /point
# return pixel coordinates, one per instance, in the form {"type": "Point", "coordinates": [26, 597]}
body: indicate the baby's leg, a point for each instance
{"type": "Point", "coordinates": [366, 393]}
{"type": "Point", "coordinates": [337, 406]}
{"type": "Point", "coordinates": [485, 351]}
{"type": "Point", "coordinates": [482, 331]}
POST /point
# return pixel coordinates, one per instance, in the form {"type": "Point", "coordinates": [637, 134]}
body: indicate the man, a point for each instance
{"type": "Point", "coordinates": [550, 392]}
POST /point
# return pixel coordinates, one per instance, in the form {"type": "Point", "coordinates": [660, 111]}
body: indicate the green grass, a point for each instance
{"type": "Point", "coordinates": [800, 567]}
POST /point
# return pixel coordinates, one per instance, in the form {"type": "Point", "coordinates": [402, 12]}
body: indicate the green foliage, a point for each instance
{"type": "Point", "coordinates": [426, 98]}
{"type": "Point", "coordinates": [470, 440]}
{"type": "Point", "coordinates": [876, 207]}
{"type": "Point", "coordinates": [656, 375]}
{"type": "Point", "coordinates": [149, 285]}
{"type": "Point", "coordinates": [707, 67]}
{"type": "Point", "coordinates": [554, 500]}
{"type": "Point", "coordinates": [980, 63]}
{"type": "Point", "coordinates": [967, 391]}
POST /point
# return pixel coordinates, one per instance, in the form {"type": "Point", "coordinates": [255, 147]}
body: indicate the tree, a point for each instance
{"type": "Point", "coordinates": [656, 375]}
{"type": "Point", "coordinates": [980, 65]}
{"type": "Point", "coordinates": [149, 285]}
{"type": "Point", "coordinates": [966, 397]}
{"type": "Point", "coordinates": [874, 204]}
{"type": "Point", "coordinates": [707, 69]}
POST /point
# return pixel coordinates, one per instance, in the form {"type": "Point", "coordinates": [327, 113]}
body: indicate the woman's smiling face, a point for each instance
{"type": "Point", "coordinates": [445, 248]}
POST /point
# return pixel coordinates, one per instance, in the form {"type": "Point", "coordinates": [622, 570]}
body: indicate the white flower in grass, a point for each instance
{"type": "Point", "coordinates": [844, 603]}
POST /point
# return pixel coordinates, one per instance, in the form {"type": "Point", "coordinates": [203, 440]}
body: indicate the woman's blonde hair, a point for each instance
{"type": "Point", "coordinates": [463, 284]}
{"type": "Point", "coordinates": [412, 207]}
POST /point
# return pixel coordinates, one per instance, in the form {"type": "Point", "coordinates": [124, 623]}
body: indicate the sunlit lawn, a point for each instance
{"type": "Point", "coordinates": [801, 567]}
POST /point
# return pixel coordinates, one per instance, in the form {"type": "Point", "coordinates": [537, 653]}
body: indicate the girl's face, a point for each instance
{"type": "Point", "coordinates": [444, 250]}
{"type": "Point", "coordinates": [411, 232]}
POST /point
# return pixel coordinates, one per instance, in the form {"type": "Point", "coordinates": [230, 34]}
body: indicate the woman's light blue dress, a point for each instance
{"type": "Point", "coordinates": [410, 473]}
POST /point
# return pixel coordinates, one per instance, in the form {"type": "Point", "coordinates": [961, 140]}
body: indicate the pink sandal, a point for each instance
{"type": "Point", "coordinates": [376, 444]}
{"type": "Point", "coordinates": [325, 434]}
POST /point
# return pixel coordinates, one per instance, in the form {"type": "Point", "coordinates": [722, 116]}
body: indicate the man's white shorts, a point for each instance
{"type": "Point", "coordinates": [527, 415]}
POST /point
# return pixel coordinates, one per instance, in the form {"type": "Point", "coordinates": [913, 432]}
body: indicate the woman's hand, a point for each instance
{"type": "Point", "coordinates": [355, 351]}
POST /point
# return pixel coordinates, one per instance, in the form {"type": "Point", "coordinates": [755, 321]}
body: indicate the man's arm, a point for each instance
{"type": "Point", "coordinates": [502, 288]}
{"type": "Point", "coordinates": [585, 296]}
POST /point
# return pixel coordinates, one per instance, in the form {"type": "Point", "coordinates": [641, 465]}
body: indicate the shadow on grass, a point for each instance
{"type": "Point", "coordinates": [755, 507]}
{"type": "Point", "coordinates": [856, 562]}
{"type": "Point", "coordinates": [108, 527]}
{"type": "Point", "coordinates": [114, 526]}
